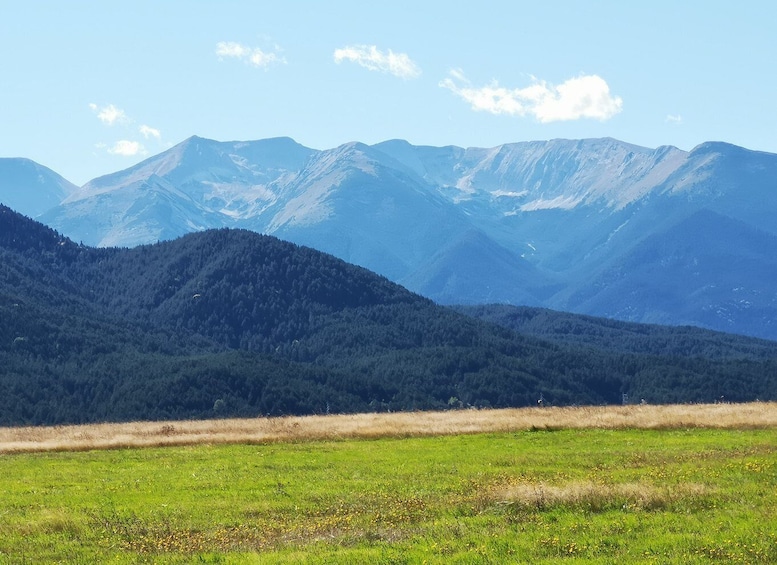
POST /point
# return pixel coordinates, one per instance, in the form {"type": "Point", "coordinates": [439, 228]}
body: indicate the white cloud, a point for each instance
{"type": "Point", "coordinates": [148, 131]}
{"type": "Point", "coordinates": [674, 119]}
{"type": "Point", "coordinates": [231, 49]}
{"type": "Point", "coordinates": [259, 58]}
{"type": "Point", "coordinates": [585, 96]}
{"type": "Point", "coordinates": [370, 57]}
{"type": "Point", "coordinates": [127, 148]}
{"type": "Point", "coordinates": [110, 114]}
{"type": "Point", "coordinates": [251, 55]}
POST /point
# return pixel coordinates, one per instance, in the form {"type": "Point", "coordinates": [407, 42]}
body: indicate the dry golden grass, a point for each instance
{"type": "Point", "coordinates": [402, 424]}
{"type": "Point", "coordinates": [596, 496]}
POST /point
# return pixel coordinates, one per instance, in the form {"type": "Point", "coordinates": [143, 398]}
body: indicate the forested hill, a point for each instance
{"type": "Point", "coordinates": [232, 323]}
{"type": "Point", "coordinates": [621, 337]}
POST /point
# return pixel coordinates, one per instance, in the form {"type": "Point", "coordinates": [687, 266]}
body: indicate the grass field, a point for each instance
{"type": "Point", "coordinates": [606, 493]}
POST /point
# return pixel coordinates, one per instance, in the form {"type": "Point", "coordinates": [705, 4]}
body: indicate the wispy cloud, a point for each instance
{"type": "Point", "coordinates": [370, 57]}
{"type": "Point", "coordinates": [232, 49]}
{"type": "Point", "coordinates": [676, 119]}
{"type": "Point", "coordinates": [127, 148]}
{"type": "Point", "coordinates": [110, 114]}
{"type": "Point", "coordinates": [585, 96]}
{"type": "Point", "coordinates": [251, 55]}
{"type": "Point", "coordinates": [149, 132]}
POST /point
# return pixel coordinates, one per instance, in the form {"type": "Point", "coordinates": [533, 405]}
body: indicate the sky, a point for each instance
{"type": "Point", "coordinates": [89, 88]}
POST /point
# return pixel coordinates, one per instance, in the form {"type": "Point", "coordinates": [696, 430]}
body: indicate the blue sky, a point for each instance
{"type": "Point", "coordinates": [93, 87]}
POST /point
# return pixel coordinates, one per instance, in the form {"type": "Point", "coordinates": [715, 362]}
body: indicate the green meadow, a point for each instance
{"type": "Point", "coordinates": [582, 496]}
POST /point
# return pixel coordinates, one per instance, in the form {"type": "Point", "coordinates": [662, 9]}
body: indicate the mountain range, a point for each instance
{"type": "Point", "coordinates": [594, 226]}
{"type": "Point", "coordinates": [232, 323]}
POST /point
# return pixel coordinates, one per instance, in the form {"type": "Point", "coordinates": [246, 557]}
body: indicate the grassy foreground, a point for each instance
{"type": "Point", "coordinates": [683, 495]}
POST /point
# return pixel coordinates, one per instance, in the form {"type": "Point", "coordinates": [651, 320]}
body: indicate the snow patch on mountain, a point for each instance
{"type": "Point", "coordinates": [508, 194]}
{"type": "Point", "coordinates": [238, 200]}
{"type": "Point", "coordinates": [560, 203]}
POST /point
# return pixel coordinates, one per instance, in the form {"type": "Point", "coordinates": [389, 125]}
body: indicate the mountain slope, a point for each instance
{"type": "Point", "coordinates": [350, 203]}
{"type": "Point", "coordinates": [708, 270]}
{"type": "Point", "coordinates": [473, 269]}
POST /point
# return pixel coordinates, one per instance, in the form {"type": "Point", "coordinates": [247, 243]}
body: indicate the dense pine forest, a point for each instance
{"type": "Point", "coordinates": [232, 323]}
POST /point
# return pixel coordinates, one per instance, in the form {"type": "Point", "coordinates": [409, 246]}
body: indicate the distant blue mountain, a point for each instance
{"type": "Point", "coordinates": [707, 270]}
{"type": "Point", "coordinates": [31, 188]}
